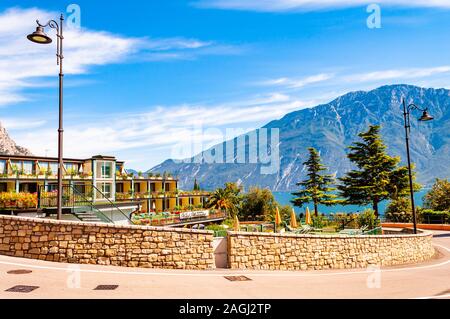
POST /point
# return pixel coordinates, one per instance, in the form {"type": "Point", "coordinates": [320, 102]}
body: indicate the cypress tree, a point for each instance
{"type": "Point", "coordinates": [377, 177]}
{"type": "Point", "coordinates": [317, 187]}
{"type": "Point", "coordinates": [196, 186]}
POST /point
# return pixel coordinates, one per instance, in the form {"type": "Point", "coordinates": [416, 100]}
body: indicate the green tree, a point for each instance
{"type": "Point", "coordinates": [438, 198]}
{"type": "Point", "coordinates": [377, 177]}
{"type": "Point", "coordinates": [258, 204]}
{"type": "Point", "coordinates": [317, 188]}
{"type": "Point", "coordinates": [227, 199]}
{"type": "Point", "coordinates": [196, 186]}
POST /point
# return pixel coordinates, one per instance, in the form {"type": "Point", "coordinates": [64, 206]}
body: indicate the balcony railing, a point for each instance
{"type": "Point", "coordinates": [45, 176]}
{"type": "Point", "coordinates": [159, 194]}
{"type": "Point", "coordinates": [168, 219]}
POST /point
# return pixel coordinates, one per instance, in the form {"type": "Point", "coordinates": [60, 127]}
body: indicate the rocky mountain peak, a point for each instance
{"type": "Point", "coordinates": [8, 146]}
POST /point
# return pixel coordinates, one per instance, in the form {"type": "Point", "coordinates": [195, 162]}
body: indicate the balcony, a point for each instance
{"type": "Point", "coordinates": [24, 176]}
{"type": "Point", "coordinates": [18, 201]}
{"type": "Point", "coordinates": [159, 194]}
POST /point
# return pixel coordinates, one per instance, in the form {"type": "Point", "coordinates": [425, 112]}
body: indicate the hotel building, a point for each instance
{"type": "Point", "coordinates": [99, 180]}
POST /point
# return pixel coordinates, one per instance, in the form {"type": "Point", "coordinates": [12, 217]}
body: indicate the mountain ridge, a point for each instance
{"type": "Point", "coordinates": [331, 128]}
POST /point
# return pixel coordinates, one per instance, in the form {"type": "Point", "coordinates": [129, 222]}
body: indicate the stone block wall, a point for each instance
{"type": "Point", "coordinates": [308, 252]}
{"type": "Point", "coordinates": [88, 243]}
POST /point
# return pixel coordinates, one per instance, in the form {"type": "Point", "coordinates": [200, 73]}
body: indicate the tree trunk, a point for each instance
{"type": "Point", "coordinates": [375, 207]}
{"type": "Point", "coordinates": [316, 209]}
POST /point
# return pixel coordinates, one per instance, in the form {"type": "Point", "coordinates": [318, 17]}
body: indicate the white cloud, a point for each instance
{"type": "Point", "coordinates": [292, 83]}
{"type": "Point", "coordinates": [306, 5]}
{"type": "Point", "coordinates": [21, 61]}
{"type": "Point", "coordinates": [22, 123]}
{"type": "Point", "coordinates": [160, 128]}
{"type": "Point", "coordinates": [381, 77]}
{"type": "Point", "coordinates": [397, 74]}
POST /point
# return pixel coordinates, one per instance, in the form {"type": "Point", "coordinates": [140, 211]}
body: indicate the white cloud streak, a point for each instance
{"type": "Point", "coordinates": [21, 61]}
{"type": "Point", "coordinates": [298, 83]}
{"type": "Point", "coordinates": [310, 5]}
{"type": "Point", "coordinates": [162, 127]}
{"type": "Point", "coordinates": [382, 77]}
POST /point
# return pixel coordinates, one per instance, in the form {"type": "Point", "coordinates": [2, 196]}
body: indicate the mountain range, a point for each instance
{"type": "Point", "coordinates": [331, 128]}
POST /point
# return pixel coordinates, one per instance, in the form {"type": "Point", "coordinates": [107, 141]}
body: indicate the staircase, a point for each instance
{"type": "Point", "coordinates": [84, 209]}
{"type": "Point", "coordinates": [87, 215]}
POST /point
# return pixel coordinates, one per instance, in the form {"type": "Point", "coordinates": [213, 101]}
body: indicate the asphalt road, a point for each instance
{"type": "Point", "coordinates": [57, 280]}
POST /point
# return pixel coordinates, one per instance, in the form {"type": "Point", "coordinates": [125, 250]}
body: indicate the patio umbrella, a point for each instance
{"type": "Point", "coordinates": [277, 217]}
{"type": "Point", "coordinates": [293, 223]}
{"type": "Point", "coordinates": [308, 220]}
{"type": "Point", "coordinates": [236, 225]}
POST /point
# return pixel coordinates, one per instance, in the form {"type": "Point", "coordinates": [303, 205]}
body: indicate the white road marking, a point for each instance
{"type": "Point", "coordinates": [249, 273]}
{"type": "Point", "coordinates": [433, 297]}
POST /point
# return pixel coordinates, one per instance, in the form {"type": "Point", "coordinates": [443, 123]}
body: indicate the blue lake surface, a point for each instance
{"type": "Point", "coordinates": [285, 197]}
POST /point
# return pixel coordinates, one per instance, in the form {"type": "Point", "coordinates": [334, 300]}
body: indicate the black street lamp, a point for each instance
{"type": "Point", "coordinates": [424, 118]}
{"type": "Point", "coordinates": [40, 37]}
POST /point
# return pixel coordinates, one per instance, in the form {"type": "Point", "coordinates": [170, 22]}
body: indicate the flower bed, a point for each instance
{"type": "Point", "coordinates": [18, 200]}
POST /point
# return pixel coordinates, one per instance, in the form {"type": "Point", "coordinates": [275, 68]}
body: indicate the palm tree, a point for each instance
{"type": "Point", "coordinates": [227, 199]}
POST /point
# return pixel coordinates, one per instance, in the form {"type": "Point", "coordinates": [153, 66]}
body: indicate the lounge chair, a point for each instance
{"type": "Point", "coordinates": [304, 229]}
{"type": "Point", "coordinates": [358, 231]}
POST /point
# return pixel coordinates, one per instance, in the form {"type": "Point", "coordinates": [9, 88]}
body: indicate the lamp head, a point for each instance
{"type": "Point", "coordinates": [39, 36]}
{"type": "Point", "coordinates": [426, 117]}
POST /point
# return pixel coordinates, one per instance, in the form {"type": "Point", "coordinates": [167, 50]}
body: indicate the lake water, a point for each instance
{"type": "Point", "coordinates": [284, 199]}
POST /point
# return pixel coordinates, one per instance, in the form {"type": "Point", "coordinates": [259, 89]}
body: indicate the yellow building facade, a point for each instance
{"type": "Point", "coordinates": [97, 179]}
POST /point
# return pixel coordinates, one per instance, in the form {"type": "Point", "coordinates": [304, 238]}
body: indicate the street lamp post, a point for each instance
{"type": "Point", "coordinates": [40, 37]}
{"type": "Point", "coordinates": [425, 117]}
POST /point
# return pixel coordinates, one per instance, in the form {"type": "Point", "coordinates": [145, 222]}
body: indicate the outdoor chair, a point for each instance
{"type": "Point", "coordinates": [304, 230]}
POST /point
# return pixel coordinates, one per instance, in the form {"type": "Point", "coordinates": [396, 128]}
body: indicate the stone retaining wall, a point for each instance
{"type": "Point", "coordinates": [88, 243]}
{"type": "Point", "coordinates": [307, 252]}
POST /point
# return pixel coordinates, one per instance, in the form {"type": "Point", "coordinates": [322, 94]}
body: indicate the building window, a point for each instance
{"type": "Point", "coordinates": [2, 167]}
{"type": "Point", "coordinates": [119, 188]}
{"type": "Point", "coordinates": [69, 167]}
{"type": "Point", "coordinates": [28, 168]}
{"type": "Point", "coordinates": [43, 167]}
{"type": "Point", "coordinates": [106, 189]}
{"type": "Point", "coordinates": [80, 189]}
{"type": "Point", "coordinates": [16, 167]}
{"type": "Point", "coordinates": [104, 169]}
{"type": "Point", "coordinates": [3, 187]}
{"type": "Point", "coordinates": [53, 168]}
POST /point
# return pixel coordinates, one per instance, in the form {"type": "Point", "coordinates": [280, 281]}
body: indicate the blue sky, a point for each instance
{"type": "Point", "coordinates": [150, 80]}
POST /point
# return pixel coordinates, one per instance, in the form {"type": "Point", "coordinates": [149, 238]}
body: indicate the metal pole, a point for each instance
{"type": "Point", "coordinates": [411, 188]}
{"type": "Point", "coordinates": [60, 128]}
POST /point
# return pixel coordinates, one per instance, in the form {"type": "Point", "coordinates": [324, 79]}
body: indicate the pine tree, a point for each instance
{"type": "Point", "coordinates": [317, 187]}
{"type": "Point", "coordinates": [377, 177]}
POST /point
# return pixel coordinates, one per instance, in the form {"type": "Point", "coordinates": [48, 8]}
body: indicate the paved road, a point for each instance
{"type": "Point", "coordinates": [57, 280]}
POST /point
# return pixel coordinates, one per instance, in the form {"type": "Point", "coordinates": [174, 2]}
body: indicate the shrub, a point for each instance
{"type": "Point", "coordinates": [369, 219]}
{"type": "Point", "coordinates": [429, 216]}
{"type": "Point", "coordinates": [319, 221]}
{"type": "Point", "coordinates": [399, 210]}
